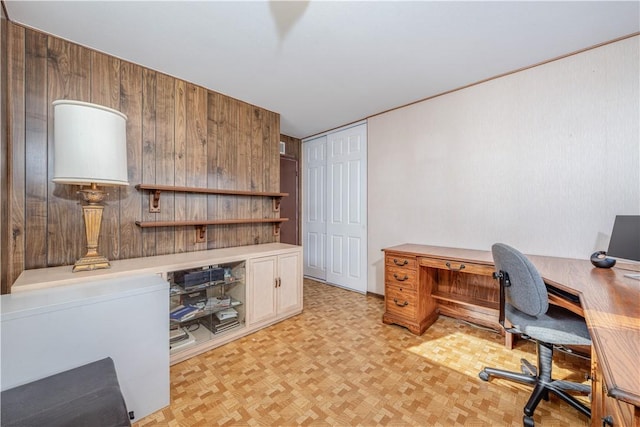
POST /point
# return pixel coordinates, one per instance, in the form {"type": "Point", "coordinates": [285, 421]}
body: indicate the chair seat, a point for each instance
{"type": "Point", "coordinates": [557, 326]}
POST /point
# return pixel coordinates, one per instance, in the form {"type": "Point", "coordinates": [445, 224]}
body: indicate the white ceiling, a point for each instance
{"type": "Point", "coordinates": [325, 64]}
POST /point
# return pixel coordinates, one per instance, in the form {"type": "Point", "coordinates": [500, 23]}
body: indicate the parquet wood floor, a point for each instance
{"type": "Point", "coordinates": [337, 364]}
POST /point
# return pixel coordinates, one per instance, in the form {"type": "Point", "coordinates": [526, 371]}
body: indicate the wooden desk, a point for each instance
{"type": "Point", "coordinates": [422, 282]}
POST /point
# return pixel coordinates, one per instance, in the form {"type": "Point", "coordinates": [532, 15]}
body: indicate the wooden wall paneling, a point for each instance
{"type": "Point", "coordinates": [267, 153]}
{"type": "Point", "coordinates": [257, 170]}
{"type": "Point", "coordinates": [293, 146]}
{"type": "Point", "coordinates": [227, 205]}
{"type": "Point", "coordinates": [273, 125]}
{"type": "Point", "coordinates": [265, 230]}
{"type": "Point", "coordinates": [182, 234]}
{"type": "Point", "coordinates": [230, 177]}
{"type": "Point", "coordinates": [271, 150]}
{"type": "Point", "coordinates": [131, 201]}
{"type": "Point", "coordinates": [274, 143]}
{"type": "Point", "coordinates": [243, 175]}
{"type": "Point", "coordinates": [36, 182]}
{"type": "Point", "coordinates": [105, 80]}
{"type": "Point", "coordinates": [105, 90]}
{"type": "Point", "coordinates": [165, 159]}
{"type": "Point", "coordinates": [221, 231]}
{"type": "Point", "coordinates": [262, 166]}
{"type": "Point", "coordinates": [4, 161]}
{"type": "Point", "coordinates": [68, 71]}
{"type": "Point", "coordinates": [148, 156]}
{"type": "Point", "coordinates": [16, 153]}
{"type": "Point", "coordinates": [177, 133]}
{"type": "Point", "coordinates": [294, 150]}
{"type": "Point", "coordinates": [196, 158]}
{"type": "Point", "coordinates": [213, 117]}
{"type": "Point", "coordinates": [275, 159]}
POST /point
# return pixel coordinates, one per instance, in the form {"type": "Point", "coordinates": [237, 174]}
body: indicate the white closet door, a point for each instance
{"type": "Point", "coordinates": [314, 213]}
{"type": "Point", "coordinates": [346, 208]}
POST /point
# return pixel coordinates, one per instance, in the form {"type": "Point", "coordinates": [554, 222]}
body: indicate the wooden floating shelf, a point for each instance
{"type": "Point", "coordinates": [154, 199]}
{"type": "Point", "coordinates": [146, 224]}
{"type": "Point", "coordinates": [201, 225]}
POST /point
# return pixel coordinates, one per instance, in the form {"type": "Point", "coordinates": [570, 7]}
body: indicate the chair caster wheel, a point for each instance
{"type": "Point", "coordinates": [527, 421]}
{"type": "Point", "coordinates": [483, 376]}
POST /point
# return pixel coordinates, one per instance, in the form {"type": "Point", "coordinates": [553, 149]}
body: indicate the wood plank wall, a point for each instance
{"type": "Point", "coordinates": [293, 146]}
{"type": "Point", "coordinates": [177, 134]}
{"type": "Point", "coordinates": [3, 148]}
{"type": "Point", "coordinates": [293, 150]}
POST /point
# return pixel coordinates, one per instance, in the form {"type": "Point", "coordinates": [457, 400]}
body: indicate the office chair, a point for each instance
{"type": "Point", "coordinates": [524, 303]}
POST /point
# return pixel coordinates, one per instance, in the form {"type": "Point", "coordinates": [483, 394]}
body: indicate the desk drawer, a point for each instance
{"type": "Point", "coordinates": [401, 302]}
{"type": "Point", "coordinates": [402, 277]}
{"type": "Point", "coordinates": [392, 260]}
{"type": "Point", "coordinates": [461, 266]}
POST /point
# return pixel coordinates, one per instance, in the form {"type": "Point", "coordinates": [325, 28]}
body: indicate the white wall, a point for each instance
{"type": "Point", "coordinates": [542, 159]}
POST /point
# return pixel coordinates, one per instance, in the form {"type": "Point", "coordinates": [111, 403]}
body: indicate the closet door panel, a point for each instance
{"type": "Point", "coordinates": [314, 240]}
{"type": "Point", "coordinates": [335, 200]}
{"type": "Point", "coordinates": [346, 202]}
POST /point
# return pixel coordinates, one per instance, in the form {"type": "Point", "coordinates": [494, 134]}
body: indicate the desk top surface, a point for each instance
{"type": "Point", "coordinates": [611, 303]}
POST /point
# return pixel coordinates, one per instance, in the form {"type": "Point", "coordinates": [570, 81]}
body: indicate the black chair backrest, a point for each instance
{"type": "Point", "coordinates": [527, 292]}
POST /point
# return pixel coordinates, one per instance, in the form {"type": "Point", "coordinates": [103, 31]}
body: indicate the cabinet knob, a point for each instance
{"type": "Point", "coordinates": [607, 421]}
{"type": "Point", "coordinates": [400, 279]}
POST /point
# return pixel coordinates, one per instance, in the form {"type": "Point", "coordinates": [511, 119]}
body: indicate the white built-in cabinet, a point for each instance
{"type": "Point", "coordinates": [267, 285]}
{"type": "Point", "coordinates": [274, 289]}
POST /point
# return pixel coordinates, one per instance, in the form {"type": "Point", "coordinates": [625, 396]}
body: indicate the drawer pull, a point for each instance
{"type": "Point", "coordinates": [448, 264]}
{"type": "Point", "coordinates": [400, 279]}
{"type": "Point", "coordinates": [404, 304]}
{"type": "Point", "coordinates": [401, 264]}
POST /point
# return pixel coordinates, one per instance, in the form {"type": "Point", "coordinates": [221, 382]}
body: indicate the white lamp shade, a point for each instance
{"type": "Point", "coordinates": [90, 144]}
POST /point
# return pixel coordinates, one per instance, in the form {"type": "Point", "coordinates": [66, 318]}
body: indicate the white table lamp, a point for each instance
{"type": "Point", "coordinates": [90, 149]}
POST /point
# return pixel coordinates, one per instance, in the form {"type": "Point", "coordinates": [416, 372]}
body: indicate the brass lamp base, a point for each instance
{"type": "Point", "coordinates": [88, 263]}
{"type": "Point", "coordinates": [92, 213]}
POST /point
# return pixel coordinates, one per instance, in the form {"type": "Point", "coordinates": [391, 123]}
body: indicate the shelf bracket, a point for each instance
{"type": "Point", "coordinates": [201, 233]}
{"type": "Point", "coordinates": [154, 201]}
{"type": "Point", "coordinates": [276, 229]}
{"type": "Point", "coordinates": [276, 204]}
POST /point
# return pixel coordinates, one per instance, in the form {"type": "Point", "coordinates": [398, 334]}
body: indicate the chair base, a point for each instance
{"type": "Point", "coordinates": [542, 383]}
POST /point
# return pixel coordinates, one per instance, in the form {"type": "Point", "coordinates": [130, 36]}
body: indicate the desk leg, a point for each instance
{"type": "Point", "coordinates": [509, 340]}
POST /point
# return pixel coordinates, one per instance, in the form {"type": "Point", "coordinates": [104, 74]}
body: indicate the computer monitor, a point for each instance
{"type": "Point", "coordinates": [625, 238]}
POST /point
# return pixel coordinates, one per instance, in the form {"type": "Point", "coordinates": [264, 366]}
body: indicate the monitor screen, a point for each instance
{"type": "Point", "coordinates": [625, 238]}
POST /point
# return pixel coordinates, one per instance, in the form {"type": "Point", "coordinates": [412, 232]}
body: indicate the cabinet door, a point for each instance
{"type": "Point", "coordinates": [262, 290]}
{"type": "Point", "coordinates": [289, 296]}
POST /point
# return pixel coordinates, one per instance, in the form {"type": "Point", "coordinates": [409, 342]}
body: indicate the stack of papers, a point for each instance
{"type": "Point", "coordinates": [218, 302]}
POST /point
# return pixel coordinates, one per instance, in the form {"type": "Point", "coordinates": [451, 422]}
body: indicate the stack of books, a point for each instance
{"type": "Point", "coordinates": [177, 335]}
{"type": "Point", "coordinates": [229, 313]}
{"type": "Point", "coordinates": [183, 312]}
{"type": "Point", "coordinates": [180, 337]}
{"type": "Point", "coordinates": [224, 320]}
